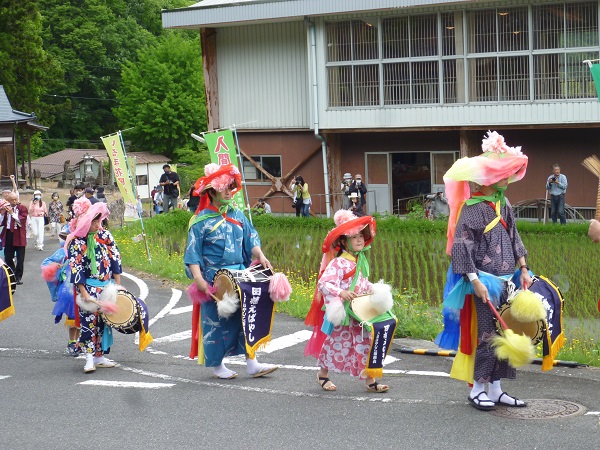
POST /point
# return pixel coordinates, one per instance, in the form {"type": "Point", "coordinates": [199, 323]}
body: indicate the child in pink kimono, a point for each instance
{"type": "Point", "coordinates": [344, 270]}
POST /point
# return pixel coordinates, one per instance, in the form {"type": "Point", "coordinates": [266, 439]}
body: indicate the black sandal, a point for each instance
{"type": "Point", "coordinates": [476, 402]}
{"type": "Point", "coordinates": [377, 388]}
{"type": "Point", "coordinates": [514, 401]}
{"type": "Point", "coordinates": [323, 381]}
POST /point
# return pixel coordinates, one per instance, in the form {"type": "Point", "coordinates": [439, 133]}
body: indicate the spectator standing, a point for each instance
{"type": "Point", "coordinates": [55, 215]}
{"type": "Point", "coordinates": [359, 187]}
{"type": "Point", "coordinates": [302, 196]}
{"type": "Point", "coordinates": [158, 200]}
{"type": "Point", "coordinates": [264, 205]}
{"type": "Point", "coordinates": [100, 195]}
{"type": "Point", "coordinates": [14, 235]}
{"type": "Point", "coordinates": [170, 182]}
{"type": "Point", "coordinates": [89, 194]}
{"type": "Point", "coordinates": [194, 200]}
{"type": "Point", "coordinates": [76, 192]}
{"type": "Point", "coordinates": [345, 188]}
{"type": "Point", "coordinates": [37, 211]}
{"type": "Point", "coordinates": [557, 186]}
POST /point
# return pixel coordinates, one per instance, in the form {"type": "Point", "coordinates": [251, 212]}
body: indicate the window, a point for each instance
{"type": "Point", "coordinates": [271, 164]}
{"type": "Point", "coordinates": [141, 180]}
{"type": "Point", "coordinates": [504, 54]}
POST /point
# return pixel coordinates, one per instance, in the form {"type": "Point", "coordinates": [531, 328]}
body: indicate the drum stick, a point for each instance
{"type": "Point", "coordinates": [500, 319]}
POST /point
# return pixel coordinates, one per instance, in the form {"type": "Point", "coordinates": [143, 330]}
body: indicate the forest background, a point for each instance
{"type": "Point", "coordinates": [88, 68]}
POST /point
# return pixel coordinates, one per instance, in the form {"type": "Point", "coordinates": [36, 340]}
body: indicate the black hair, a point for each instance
{"type": "Point", "coordinates": [166, 165]}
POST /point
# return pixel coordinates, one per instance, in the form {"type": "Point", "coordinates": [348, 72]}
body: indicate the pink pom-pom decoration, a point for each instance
{"type": "Point", "coordinates": [108, 308]}
{"type": "Point", "coordinates": [49, 271]}
{"type": "Point", "coordinates": [211, 168]}
{"type": "Point", "coordinates": [198, 297]}
{"type": "Point", "coordinates": [343, 216]}
{"type": "Point", "coordinates": [280, 287]}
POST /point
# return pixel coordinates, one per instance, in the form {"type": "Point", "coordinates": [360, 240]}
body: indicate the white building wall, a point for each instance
{"type": "Point", "coordinates": [263, 76]}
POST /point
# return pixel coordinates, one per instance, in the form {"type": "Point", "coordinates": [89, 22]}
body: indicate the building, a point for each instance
{"type": "Point", "coordinates": [85, 164]}
{"type": "Point", "coordinates": [398, 89]}
{"type": "Point", "coordinates": [16, 128]}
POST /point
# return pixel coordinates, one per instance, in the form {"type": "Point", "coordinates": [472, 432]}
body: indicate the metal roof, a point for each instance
{"type": "Point", "coordinates": [52, 165]}
{"type": "Point", "coordinates": [216, 13]}
{"type": "Point", "coordinates": [9, 115]}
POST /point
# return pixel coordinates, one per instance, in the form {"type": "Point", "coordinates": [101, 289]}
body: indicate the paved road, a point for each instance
{"type": "Point", "coordinates": [160, 399]}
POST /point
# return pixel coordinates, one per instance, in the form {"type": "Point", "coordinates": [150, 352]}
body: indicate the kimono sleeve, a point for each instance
{"type": "Point", "coordinates": [330, 282]}
{"type": "Point", "coordinates": [468, 235]}
{"type": "Point", "coordinates": [249, 241]}
{"type": "Point", "coordinates": [193, 249]}
{"type": "Point", "coordinates": [76, 255]}
{"type": "Point", "coordinates": [114, 254]}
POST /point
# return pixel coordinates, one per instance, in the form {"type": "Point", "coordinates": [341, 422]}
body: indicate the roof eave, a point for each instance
{"type": "Point", "coordinates": [216, 16]}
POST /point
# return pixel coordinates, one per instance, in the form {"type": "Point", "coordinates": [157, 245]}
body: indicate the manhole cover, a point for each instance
{"type": "Point", "coordinates": [541, 409]}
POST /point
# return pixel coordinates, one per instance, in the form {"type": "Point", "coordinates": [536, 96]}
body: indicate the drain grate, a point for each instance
{"type": "Point", "coordinates": [541, 409]}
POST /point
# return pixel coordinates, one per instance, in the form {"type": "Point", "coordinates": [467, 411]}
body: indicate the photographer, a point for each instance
{"type": "Point", "coordinates": [170, 183]}
{"type": "Point", "coordinates": [439, 205]}
{"type": "Point", "coordinates": [264, 205]}
{"type": "Point", "coordinates": [557, 186]}
{"type": "Point", "coordinates": [345, 188]}
{"type": "Point", "coordinates": [302, 198]}
{"type": "Point", "coordinates": [360, 188]}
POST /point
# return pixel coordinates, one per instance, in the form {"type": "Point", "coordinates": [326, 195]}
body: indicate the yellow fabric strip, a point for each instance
{"type": "Point", "coordinates": [10, 311]}
{"type": "Point", "coordinates": [494, 222]}
{"type": "Point", "coordinates": [463, 366]}
{"type": "Point", "coordinates": [200, 340]}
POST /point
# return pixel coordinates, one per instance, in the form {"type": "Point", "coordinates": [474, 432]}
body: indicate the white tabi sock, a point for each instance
{"type": "Point", "coordinates": [255, 367]}
{"type": "Point", "coordinates": [223, 372]}
{"type": "Point", "coordinates": [477, 389]}
{"type": "Point", "coordinates": [495, 390]}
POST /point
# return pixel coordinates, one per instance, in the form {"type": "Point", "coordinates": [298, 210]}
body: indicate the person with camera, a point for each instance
{"type": "Point", "coordinates": [170, 183]}
{"type": "Point", "coordinates": [264, 205]}
{"type": "Point", "coordinates": [557, 186]}
{"type": "Point", "coordinates": [439, 204]}
{"type": "Point", "coordinates": [302, 200]}
{"type": "Point", "coordinates": [360, 188]}
{"type": "Point", "coordinates": [345, 188]}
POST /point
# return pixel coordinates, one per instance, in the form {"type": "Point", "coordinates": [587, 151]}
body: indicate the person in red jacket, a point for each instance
{"type": "Point", "coordinates": [13, 219]}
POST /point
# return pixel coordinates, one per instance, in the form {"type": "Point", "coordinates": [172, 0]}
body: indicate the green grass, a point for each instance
{"type": "Point", "coordinates": [408, 254]}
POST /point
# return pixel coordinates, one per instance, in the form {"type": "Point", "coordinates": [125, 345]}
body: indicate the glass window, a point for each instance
{"type": "Point", "coordinates": [141, 180]}
{"type": "Point", "coordinates": [271, 164]}
{"type": "Point", "coordinates": [566, 25]}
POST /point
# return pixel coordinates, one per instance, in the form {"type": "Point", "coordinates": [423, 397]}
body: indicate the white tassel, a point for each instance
{"type": "Point", "coordinates": [86, 306]}
{"type": "Point", "coordinates": [228, 305]}
{"type": "Point", "coordinates": [109, 293]}
{"type": "Point", "coordinates": [382, 299]}
{"type": "Point", "coordinates": [335, 312]}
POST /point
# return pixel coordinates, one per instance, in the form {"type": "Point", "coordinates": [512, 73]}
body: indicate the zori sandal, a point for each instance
{"type": "Point", "coordinates": [377, 388]}
{"type": "Point", "coordinates": [326, 384]}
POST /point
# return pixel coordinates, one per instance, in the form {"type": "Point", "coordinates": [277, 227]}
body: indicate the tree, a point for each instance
{"type": "Point", "coordinates": [162, 95]}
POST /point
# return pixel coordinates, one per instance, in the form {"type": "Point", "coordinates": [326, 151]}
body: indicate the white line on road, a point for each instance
{"type": "Point", "coordinates": [174, 337]}
{"type": "Point", "coordinates": [592, 413]}
{"type": "Point", "coordinates": [333, 396]}
{"type": "Point", "coordinates": [127, 384]}
{"type": "Point", "coordinates": [2, 377]}
{"type": "Point", "coordinates": [287, 341]}
{"type": "Point", "coordinates": [181, 310]}
{"type": "Point", "coordinates": [175, 296]}
{"type": "Point", "coordinates": [142, 286]}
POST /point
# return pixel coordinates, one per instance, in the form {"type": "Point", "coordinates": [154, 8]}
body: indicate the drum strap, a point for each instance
{"type": "Point", "coordinates": [217, 213]}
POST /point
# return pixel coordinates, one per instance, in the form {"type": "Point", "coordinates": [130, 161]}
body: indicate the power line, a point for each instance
{"type": "Point", "coordinates": [83, 98]}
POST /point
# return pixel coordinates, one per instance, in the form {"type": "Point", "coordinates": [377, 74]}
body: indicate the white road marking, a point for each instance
{"type": "Point", "coordinates": [287, 341]}
{"type": "Point", "coordinates": [142, 286]}
{"type": "Point", "coordinates": [175, 297]}
{"type": "Point", "coordinates": [592, 413]}
{"type": "Point", "coordinates": [181, 310]}
{"type": "Point", "coordinates": [174, 337]}
{"type": "Point", "coordinates": [2, 377]}
{"type": "Point", "coordinates": [336, 396]}
{"type": "Point", "coordinates": [127, 384]}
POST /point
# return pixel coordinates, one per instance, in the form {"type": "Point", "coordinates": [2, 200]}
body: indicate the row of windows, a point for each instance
{"type": "Point", "coordinates": [501, 54]}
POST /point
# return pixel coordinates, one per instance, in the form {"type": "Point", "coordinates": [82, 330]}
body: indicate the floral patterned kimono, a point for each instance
{"type": "Point", "coordinates": [219, 243]}
{"type": "Point", "coordinates": [108, 262]}
{"type": "Point", "coordinates": [346, 349]}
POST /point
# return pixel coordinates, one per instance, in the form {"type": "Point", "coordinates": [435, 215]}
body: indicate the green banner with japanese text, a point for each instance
{"type": "Point", "coordinates": [221, 147]}
{"type": "Point", "coordinates": [119, 165]}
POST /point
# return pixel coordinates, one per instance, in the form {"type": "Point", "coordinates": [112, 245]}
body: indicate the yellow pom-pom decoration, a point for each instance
{"type": "Point", "coordinates": [517, 349]}
{"type": "Point", "coordinates": [527, 307]}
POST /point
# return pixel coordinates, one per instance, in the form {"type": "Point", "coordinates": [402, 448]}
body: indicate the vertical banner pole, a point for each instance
{"type": "Point", "coordinates": [241, 165]}
{"type": "Point", "coordinates": [134, 187]}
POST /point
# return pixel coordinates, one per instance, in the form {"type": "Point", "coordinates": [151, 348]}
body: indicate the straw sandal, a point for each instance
{"type": "Point", "coordinates": [377, 388]}
{"type": "Point", "coordinates": [323, 383]}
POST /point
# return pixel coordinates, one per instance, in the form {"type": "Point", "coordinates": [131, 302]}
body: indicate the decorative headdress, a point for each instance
{"type": "Point", "coordinates": [80, 206]}
{"type": "Point", "coordinates": [497, 162]}
{"type": "Point", "coordinates": [85, 221]}
{"type": "Point", "coordinates": [218, 178]}
{"type": "Point", "coordinates": [347, 224]}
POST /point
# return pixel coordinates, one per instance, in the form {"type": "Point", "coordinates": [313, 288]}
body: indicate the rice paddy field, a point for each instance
{"type": "Point", "coordinates": [408, 254]}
